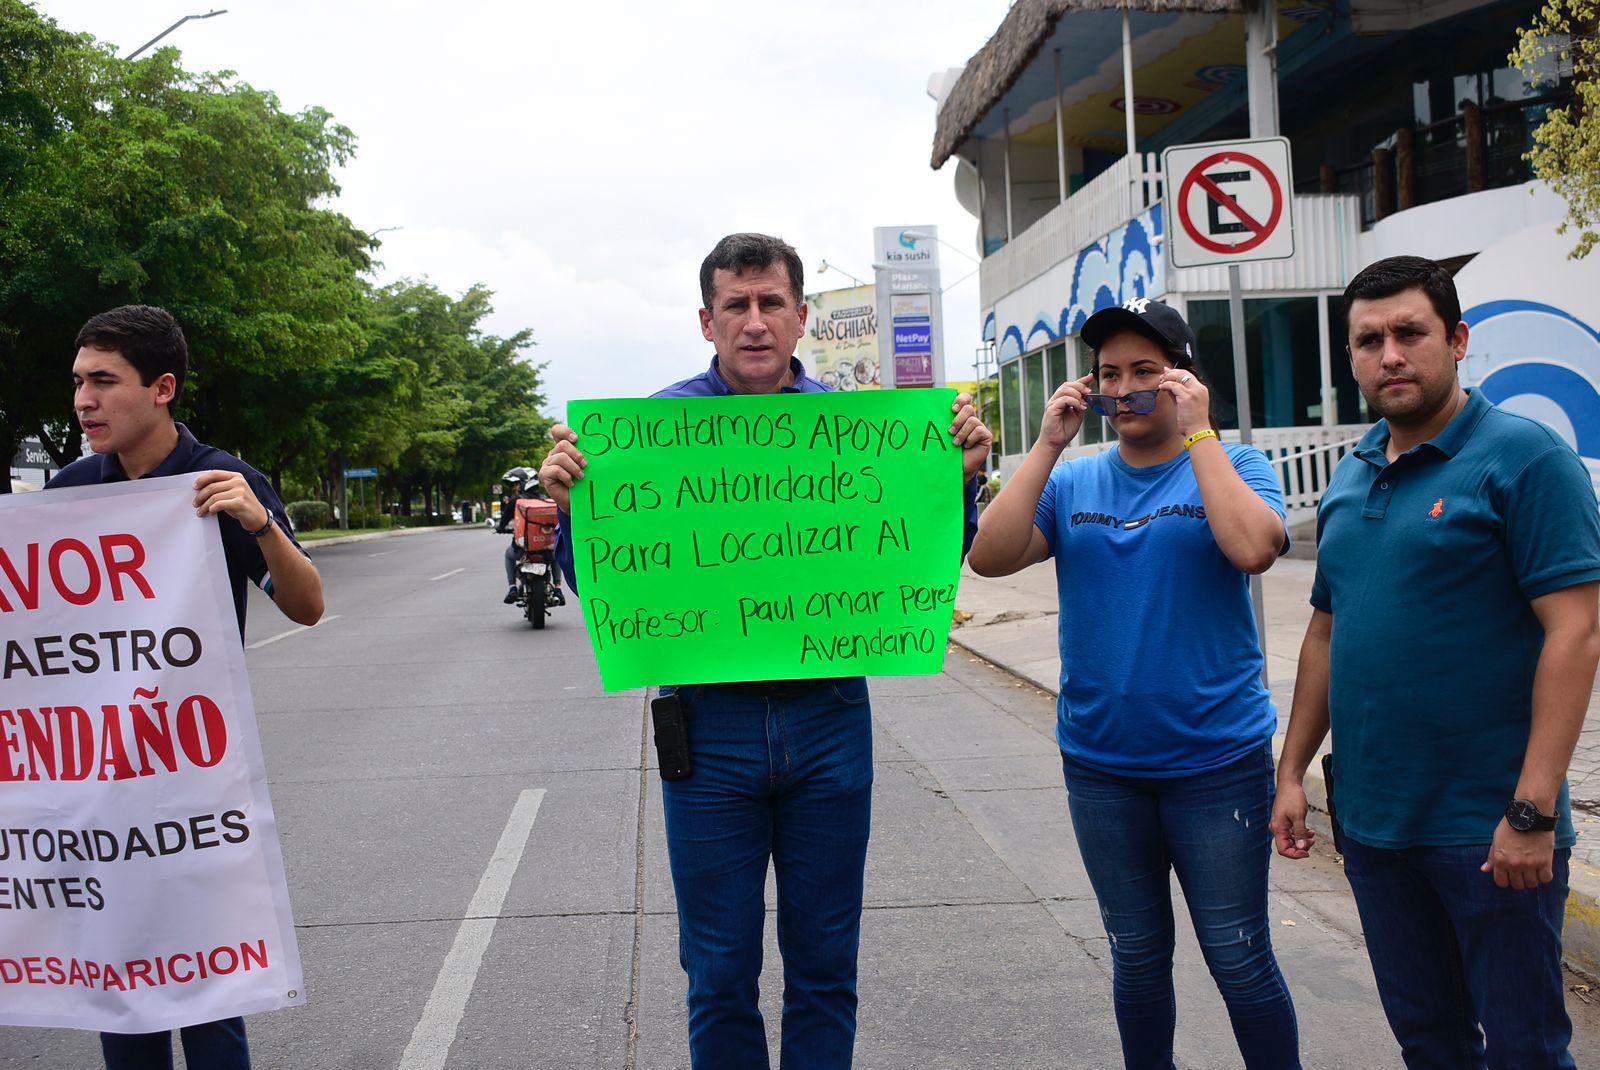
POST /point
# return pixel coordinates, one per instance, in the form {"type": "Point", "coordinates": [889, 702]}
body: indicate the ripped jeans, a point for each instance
{"type": "Point", "coordinates": [1211, 828]}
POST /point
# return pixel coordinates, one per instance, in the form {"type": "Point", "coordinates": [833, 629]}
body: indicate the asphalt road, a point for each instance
{"type": "Point", "coordinates": [477, 882]}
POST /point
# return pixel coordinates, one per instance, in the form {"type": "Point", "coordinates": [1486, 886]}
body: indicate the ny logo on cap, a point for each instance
{"type": "Point", "coordinates": [1138, 305]}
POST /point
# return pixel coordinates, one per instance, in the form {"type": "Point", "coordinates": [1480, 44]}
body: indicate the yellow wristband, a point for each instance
{"type": "Point", "coordinates": [1198, 436]}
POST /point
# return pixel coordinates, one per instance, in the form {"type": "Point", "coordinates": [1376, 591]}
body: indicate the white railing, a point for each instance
{"type": "Point", "coordinates": [1304, 458]}
{"type": "Point", "coordinates": [1107, 201]}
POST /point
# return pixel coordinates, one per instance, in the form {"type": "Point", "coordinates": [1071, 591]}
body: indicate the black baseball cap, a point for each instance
{"type": "Point", "coordinates": [1158, 322]}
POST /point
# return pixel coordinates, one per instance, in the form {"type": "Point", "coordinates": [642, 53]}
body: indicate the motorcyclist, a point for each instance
{"type": "Point", "coordinates": [523, 483]}
{"type": "Point", "coordinates": [513, 481]}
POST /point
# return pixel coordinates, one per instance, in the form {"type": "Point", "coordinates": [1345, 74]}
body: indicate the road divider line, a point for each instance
{"type": "Point", "coordinates": [292, 631]}
{"type": "Point", "coordinates": [447, 575]}
{"type": "Point", "coordinates": [441, 1017]}
{"type": "Point", "coordinates": [383, 553]}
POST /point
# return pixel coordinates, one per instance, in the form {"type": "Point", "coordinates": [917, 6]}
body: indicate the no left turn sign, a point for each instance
{"type": "Point", "coordinates": [1230, 202]}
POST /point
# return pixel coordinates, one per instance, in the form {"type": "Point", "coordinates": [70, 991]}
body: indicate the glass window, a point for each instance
{"type": "Point", "coordinates": [1349, 406]}
{"type": "Point", "coordinates": [1056, 371]}
{"type": "Point", "coordinates": [1033, 394]}
{"type": "Point", "coordinates": [1283, 356]}
{"type": "Point", "coordinates": [1011, 408]}
{"type": "Point", "coordinates": [1094, 425]}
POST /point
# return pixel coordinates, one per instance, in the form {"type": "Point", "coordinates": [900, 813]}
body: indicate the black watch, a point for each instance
{"type": "Point", "coordinates": [1523, 816]}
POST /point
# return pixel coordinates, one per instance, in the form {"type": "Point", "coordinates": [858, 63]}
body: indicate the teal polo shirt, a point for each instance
{"type": "Point", "coordinates": [1428, 565]}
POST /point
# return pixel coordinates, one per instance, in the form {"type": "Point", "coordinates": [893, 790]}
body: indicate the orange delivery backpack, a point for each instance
{"type": "Point", "coordinates": [535, 525]}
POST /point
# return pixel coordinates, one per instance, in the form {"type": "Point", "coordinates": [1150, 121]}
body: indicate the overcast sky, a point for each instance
{"type": "Point", "coordinates": [581, 158]}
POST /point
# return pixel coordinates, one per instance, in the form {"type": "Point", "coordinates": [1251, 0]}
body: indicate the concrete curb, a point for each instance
{"type": "Point", "coordinates": [1580, 940]}
{"type": "Point", "coordinates": [368, 536]}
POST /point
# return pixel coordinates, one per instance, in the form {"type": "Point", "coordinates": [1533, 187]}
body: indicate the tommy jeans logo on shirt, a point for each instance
{"type": "Point", "coordinates": [1194, 512]}
{"type": "Point", "coordinates": [1438, 509]}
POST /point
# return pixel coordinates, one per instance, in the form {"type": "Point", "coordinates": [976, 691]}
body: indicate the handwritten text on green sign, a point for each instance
{"type": "Point", "coordinates": [779, 537]}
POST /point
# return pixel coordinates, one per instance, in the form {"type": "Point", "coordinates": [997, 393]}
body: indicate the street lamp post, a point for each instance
{"type": "Point", "coordinates": [825, 266]}
{"type": "Point", "coordinates": [169, 29]}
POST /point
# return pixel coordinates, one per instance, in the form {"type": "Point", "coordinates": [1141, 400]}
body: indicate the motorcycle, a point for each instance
{"type": "Point", "coordinates": [534, 533]}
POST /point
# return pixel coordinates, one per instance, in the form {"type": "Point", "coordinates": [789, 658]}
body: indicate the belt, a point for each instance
{"type": "Point", "coordinates": [776, 688]}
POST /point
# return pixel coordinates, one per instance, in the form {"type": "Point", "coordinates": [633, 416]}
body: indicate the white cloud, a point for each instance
{"type": "Point", "coordinates": [580, 159]}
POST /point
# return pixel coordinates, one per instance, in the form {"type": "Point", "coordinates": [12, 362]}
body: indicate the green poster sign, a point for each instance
{"type": "Point", "coordinates": [773, 537]}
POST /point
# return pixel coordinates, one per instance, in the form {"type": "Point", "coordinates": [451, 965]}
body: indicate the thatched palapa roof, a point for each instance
{"type": "Point", "coordinates": [991, 73]}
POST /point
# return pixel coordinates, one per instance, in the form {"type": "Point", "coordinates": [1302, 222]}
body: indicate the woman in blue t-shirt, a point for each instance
{"type": "Point", "coordinates": [1164, 725]}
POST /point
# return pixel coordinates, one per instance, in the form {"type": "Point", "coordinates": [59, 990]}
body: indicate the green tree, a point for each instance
{"type": "Point", "coordinates": [1565, 35]}
{"type": "Point", "coordinates": [463, 404]}
{"type": "Point", "coordinates": [140, 182]}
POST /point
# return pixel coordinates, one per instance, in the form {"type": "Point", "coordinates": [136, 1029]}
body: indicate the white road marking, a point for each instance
{"type": "Point", "coordinates": [383, 553]}
{"type": "Point", "coordinates": [447, 575]}
{"type": "Point", "coordinates": [292, 631]}
{"type": "Point", "coordinates": [441, 1018]}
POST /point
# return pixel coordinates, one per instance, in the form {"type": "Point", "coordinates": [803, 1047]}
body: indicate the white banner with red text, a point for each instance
{"type": "Point", "coordinates": [141, 882]}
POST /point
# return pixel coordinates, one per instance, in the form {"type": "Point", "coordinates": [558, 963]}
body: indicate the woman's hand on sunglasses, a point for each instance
{"type": "Point", "coordinates": [1191, 396]}
{"type": "Point", "coordinates": [1063, 413]}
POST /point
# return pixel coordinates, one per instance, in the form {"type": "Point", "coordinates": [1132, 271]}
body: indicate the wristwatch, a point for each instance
{"type": "Point", "coordinates": [1523, 816]}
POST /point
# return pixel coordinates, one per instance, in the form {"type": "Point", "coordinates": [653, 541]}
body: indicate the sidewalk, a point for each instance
{"type": "Point", "coordinates": [312, 545]}
{"type": "Point", "coordinates": [1013, 625]}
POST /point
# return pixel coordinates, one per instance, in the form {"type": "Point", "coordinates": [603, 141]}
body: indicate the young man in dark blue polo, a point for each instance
{"type": "Point", "coordinates": [804, 808]}
{"type": "Point", "coordinates": [1452, 646]}
{"type": "Point", "coordinates": [127, 376]}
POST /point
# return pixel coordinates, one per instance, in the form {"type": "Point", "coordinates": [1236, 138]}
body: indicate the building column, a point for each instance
{"type": "Point", "coordinates": [1005, 118]}
{"type": "Point", "coordinates": [1061, 134]}
{"type": "Point", "coordinates": [1127, 79]}
{"type": "Point", "coordinates": [983, 207]}
{"type": "Point", "coordinates": [1330, 399]}
{"type": "Point", "coordinates": [1261, 66]}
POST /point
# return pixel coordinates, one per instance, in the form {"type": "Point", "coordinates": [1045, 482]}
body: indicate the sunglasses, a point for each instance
{"type": "Point", "coordinates": [1138, 402]}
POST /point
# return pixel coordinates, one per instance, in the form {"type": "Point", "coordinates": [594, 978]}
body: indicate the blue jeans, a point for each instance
{"type": "Point", "coordinates": [788, 779]}
{"type": "Point", "coordinates": [212, 1046]}
{"type": "Point", "coordinates": [1452, 952]}
{"type": "Point", "coordinates": [1212, 829]}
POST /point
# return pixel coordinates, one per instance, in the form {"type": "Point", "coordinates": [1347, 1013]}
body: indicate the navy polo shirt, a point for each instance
{"type": "Point", "coordinates": [1428, 565]}
{"type": "Point", "coordinates": [246, 563]}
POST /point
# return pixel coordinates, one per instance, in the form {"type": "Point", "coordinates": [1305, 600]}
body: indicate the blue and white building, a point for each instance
{"type": "Point", "coordinates": [1407, 129]}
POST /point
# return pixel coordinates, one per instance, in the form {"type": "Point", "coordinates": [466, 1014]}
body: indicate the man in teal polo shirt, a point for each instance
{"type": "Point", "coordinates": [1453, 646]}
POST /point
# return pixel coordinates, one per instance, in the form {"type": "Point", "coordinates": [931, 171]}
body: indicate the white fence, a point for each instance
{"type": "Point", "coordinates": [1105, 203]}
{"type": "Point", "coordinates": [1305, 458]}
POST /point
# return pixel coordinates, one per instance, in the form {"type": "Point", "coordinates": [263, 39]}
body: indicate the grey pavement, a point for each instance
{"type": "Point", "coordinates": [399, 736]}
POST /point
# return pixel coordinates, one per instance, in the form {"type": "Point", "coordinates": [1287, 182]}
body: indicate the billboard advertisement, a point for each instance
{"type": "Point", "coordinates": [840, 346]}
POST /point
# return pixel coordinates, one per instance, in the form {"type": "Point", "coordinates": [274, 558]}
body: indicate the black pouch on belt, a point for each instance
{"type": "Point", "coordinates": [671, 725]}
{"type": "Point", "coordinates": [1333, 814]}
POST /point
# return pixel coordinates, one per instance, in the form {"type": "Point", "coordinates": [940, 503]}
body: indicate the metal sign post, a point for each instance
{"type": "Point", "coordinates": [1234, 204]}
{"type": "Point", "coordinates": [361, 475]}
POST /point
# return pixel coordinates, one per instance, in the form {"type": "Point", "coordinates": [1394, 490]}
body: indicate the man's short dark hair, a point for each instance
{"type": "Point", "coordinates": [1396, 274]}
{"type": "Point", "coordinates": [146, 336]}
{"type": "Point", "coordinates": [739, 253]}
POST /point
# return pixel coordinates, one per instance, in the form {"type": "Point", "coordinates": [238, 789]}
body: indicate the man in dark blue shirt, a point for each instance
{"type": "Point", "coordinates": [782, 769]}
{"type": "Point", "coordinates": [127, 376]}
{"type": "Point", "coordinates": [1452, 647]}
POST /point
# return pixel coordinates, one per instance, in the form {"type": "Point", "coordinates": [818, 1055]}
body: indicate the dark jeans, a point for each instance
{"type": "Point", "coordinates": [1211, 828]}
{"type": "Point", "coordinates": [1452, 952]}
{"type": "Point", "coordinates": [788, 779]}
{"type": "Point", "coordinates": [212, 1046]}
